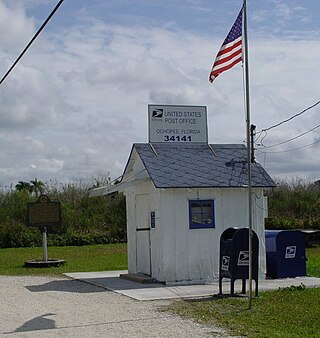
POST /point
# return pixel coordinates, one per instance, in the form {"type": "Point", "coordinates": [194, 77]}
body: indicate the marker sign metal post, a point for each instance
{"type": "Point", "coordinates": [177, 124]}
{"type": "Point", "coordinates": [41, 214]}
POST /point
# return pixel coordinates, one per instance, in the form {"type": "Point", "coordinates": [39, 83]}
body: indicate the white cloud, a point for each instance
{"type": "Point", "coordinates": [78, 100]}
{"type": "Point", "coordinates": [15, 28]}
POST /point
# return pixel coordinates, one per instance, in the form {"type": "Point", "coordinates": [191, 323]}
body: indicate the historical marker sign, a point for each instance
{"type": "Point", "coordinates": [177, 124]}
{"type": "Point", "coordinates": [43, 212]}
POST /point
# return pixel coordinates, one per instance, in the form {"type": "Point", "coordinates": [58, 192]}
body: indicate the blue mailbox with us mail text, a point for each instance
{"type": "Point", "coordinates": [234, 257]}
{"type": "Point", "coordinates": [285, 253]}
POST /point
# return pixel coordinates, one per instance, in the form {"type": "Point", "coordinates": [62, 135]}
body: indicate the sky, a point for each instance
{"type": "Point", "coordinates": [78, 99]}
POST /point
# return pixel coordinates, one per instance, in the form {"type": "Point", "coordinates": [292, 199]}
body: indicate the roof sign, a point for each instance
{"type": "Point", "coordinates": [177, 124]}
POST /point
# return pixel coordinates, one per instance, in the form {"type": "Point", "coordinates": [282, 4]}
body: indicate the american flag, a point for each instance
{"type": "Point", "coordinates": [230, 52]}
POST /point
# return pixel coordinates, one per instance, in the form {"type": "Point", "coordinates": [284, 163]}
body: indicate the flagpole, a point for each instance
{"type": "Point", "coordinates": [233, 50]}
{"type": "Point", "coordinates": [249, 150]}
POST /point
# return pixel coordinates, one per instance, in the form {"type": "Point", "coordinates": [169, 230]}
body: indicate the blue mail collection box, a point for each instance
{"type": "Point", "coordinates": [234, 257]}
{"type": "Point", "coordinates": [285, 253]}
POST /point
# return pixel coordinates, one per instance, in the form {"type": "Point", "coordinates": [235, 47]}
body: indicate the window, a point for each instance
{"type": "Point", "coordinates": [201, 214]}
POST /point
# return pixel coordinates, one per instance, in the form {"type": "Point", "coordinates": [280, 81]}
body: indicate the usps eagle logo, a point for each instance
{"type": "Point", "coordinates": [157, 113]}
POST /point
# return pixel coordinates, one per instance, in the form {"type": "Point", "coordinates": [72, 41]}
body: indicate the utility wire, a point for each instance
{"type": "Point", "coordinates": [290, 118]}
{"type": "Point", "coordinates": [293, 138]}
{"type": "Point", "coordinates": [286, 151]}
{"type": "Point", "coordinates": [31, 41]}
{"type": "Point", "coordinates": [264, 131]}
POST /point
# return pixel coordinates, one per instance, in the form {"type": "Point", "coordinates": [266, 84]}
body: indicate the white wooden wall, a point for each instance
{"type": "Point", "coordinates": [182, 254]}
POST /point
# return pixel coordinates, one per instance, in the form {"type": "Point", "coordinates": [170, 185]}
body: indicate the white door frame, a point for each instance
{"type": "Point", "coordinates": [143, 240]}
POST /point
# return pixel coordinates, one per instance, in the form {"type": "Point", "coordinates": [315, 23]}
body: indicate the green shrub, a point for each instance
{"type": "Point", "coordinates": [293, 205]}
{"type": "Point", "coordinates": [85, 220]}
{"type": "Point", "coordinates": [15, 234]}
{"type": "Point", "coordinates": [13, 205]}
{"type": "Point", "coordinates": [102, 220]}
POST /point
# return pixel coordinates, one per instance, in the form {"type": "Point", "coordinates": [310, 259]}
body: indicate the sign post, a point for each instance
{"type": "Point", "coordinates": [44, 245]}
{"type": "Point", "coordinates": [42, 214]}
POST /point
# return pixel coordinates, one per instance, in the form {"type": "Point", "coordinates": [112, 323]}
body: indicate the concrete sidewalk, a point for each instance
{"type": "Point", "coordinates": [111, 281]}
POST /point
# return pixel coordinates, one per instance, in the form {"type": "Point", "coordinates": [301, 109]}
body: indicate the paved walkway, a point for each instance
{"type": "Point", "coordinates": [110, 281]}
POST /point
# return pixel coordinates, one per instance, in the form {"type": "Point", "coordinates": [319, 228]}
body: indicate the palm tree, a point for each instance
{"type": "Point", "coordinates": [37, 187]}
{"type": "Point", "coordinates": [23, 186]}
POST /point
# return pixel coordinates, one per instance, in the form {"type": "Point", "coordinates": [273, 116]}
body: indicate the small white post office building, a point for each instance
{"type": "Point", "coordinates": [180, 197]}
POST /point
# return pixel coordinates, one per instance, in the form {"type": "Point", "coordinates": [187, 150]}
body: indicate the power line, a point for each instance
{"type": "Point", "coordinates": [282, 122]}
{"type": "Point", "coordinates": [293, 138]}
{"type": "Point", "coordinates": [290, 118]}
{"type": "Point", "coordinates": [31, 41]}
{"type": "Point", "coordinates": [286, 151]}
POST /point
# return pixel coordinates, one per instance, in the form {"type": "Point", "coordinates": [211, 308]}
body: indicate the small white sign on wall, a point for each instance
{"type": "Point", "coordinates": [243, 259]}
{"type": "Point", "coordinates": [225, 263]}
{"type": "Point", "coordinates": [168, 123]}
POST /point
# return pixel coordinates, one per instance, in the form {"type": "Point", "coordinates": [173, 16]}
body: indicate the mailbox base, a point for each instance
{"type": "Point", "coordinates": [243, 291]}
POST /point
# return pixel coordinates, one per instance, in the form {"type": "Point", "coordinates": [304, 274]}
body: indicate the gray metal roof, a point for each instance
{"type": "Point", "coordinates": [179, 165]}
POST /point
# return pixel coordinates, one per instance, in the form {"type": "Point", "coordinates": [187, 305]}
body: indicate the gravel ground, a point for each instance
{"type": "Point", "coordinates": [59, 307]}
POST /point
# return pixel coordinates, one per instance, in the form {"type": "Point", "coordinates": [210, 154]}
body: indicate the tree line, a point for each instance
{"type": "Point", "coordinates": [99, 220]}
{"type": "Point", "coordinates": [294, 205]}
{"type": "Point", "coordinates": [85, 220]}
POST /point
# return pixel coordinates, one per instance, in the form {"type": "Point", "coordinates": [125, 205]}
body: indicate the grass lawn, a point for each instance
{"type": "Point", "coordinates": [313, 261]}
{"type": "Point", "coordinates": [78, 259]}
{"type": "Point", "coordinates": [288, 312]}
